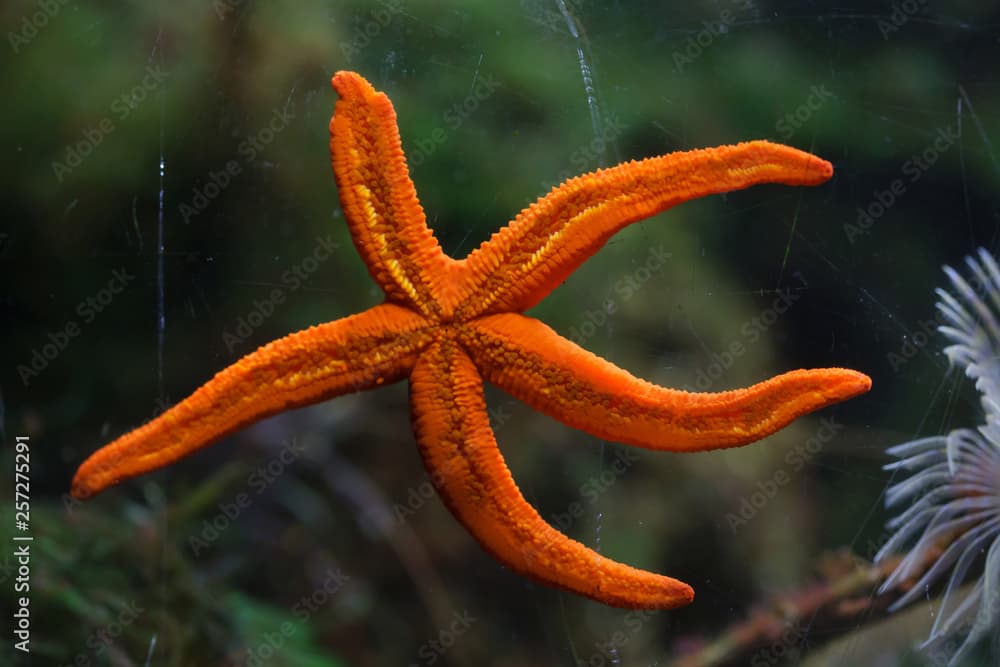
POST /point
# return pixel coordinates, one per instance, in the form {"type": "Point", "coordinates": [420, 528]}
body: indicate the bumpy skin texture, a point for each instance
{"type": "Point", "coordinates": [449, 324]}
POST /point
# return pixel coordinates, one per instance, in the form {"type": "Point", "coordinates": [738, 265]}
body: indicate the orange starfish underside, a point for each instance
{"type": "Point", "coordinates": [447, 325]}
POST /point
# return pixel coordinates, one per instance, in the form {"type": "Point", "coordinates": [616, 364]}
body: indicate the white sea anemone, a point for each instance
{"type": "Point", "coordinates": [953, 488]}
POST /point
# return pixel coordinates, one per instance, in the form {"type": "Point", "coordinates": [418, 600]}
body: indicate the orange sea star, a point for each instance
{"type": "Point", "coordinates": [449, 324]}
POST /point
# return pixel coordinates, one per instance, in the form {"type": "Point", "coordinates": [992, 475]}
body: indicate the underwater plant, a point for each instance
{"type": "Point", "coordinates": [953, 487]}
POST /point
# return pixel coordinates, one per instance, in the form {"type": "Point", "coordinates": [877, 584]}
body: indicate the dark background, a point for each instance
{"type": "Point", "coordinates": [495, 106]}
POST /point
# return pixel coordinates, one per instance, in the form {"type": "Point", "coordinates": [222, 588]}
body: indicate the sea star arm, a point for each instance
{"type": "Point", "coordinates": [378, 198]}
{"type": "Point", "coordinates": [466, 467]}
{"type": "Point", "coordinates": [355, 353]}
{"type": "Point", "coordinates": [533, 363]}
{"type": "Point", "coordinates": [527, 259]}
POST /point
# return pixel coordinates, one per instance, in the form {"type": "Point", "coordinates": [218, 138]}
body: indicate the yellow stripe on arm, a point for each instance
{"type": "Point", "coordinates": [352, 354]}
{"type": "Point", "coordinates": [527, 259]}
{"type": "Point", "coordinates": [533, 363]}
{"type": "Point", "coordinates": [379, 200]}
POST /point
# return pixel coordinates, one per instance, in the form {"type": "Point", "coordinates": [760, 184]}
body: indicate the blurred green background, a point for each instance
{"type": "Point", "coordinates": [341, 555]}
